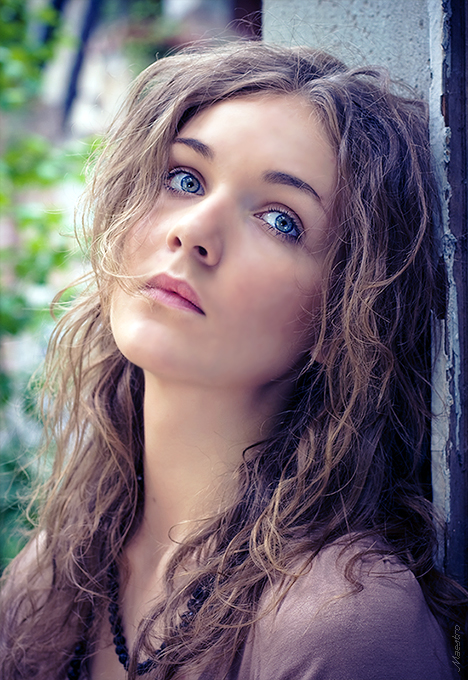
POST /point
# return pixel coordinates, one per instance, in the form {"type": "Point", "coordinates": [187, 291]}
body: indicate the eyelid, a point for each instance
{"type": "Point", "coordinates": [287, 211]}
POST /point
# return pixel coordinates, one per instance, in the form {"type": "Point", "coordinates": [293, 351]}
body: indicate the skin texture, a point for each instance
{"type": "Point", "coordinates": [216, 374]}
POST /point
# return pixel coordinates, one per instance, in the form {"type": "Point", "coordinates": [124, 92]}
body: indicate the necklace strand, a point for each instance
{"type": "Point", "coordinates": [194, 605]}
{"type": "Point", "coordinates": [115, 621]}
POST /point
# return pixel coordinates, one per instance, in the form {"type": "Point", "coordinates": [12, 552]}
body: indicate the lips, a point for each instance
{"type": "Point", "coordinates": [173, 293]}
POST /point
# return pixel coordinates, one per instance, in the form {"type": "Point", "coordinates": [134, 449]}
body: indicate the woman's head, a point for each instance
{"type": "Point", "coordinates": [383, 195]}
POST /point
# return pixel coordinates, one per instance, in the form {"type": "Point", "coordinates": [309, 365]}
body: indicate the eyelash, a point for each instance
{"type": "Point", "coordinates": [285, 235]}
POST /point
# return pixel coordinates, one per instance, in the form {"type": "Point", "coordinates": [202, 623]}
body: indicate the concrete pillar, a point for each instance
{"type": "Point", "coordinates": [387, 33]}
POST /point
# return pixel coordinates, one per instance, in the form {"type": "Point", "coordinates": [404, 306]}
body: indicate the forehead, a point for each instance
{"type": "Point", "coordinates": [279, 111]}
{"type": "Point", "coordinates": [280, 132]}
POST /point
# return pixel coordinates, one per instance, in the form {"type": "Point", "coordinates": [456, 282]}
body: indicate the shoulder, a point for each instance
{"type": "Point", "coordinates": [324, 628]}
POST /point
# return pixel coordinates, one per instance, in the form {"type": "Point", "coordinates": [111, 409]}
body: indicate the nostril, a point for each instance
{"type": "Point", "coordinates": [203, 251]}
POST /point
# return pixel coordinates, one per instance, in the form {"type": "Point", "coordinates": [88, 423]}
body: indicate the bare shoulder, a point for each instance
{"type": "Point", "coordinates": [326, 627]}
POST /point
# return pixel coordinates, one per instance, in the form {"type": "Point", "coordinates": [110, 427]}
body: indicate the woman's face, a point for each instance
{"type": "Point", "coordinates": [230, 259]}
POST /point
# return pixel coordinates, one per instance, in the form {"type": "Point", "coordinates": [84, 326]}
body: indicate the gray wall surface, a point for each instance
{"type": "Point", "coordinates": [390, 33]}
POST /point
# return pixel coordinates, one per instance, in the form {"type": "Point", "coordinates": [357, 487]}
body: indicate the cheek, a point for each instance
{"type": "Point", "coordinates": [143, 240]}
{"type": "Point", "coordinates": [277, 307]}
{"type": "Point", "coordinates": [287, 291]}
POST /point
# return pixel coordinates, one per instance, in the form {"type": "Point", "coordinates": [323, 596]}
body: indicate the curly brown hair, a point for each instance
{"type": "Point", "coordinates": [349, 452]}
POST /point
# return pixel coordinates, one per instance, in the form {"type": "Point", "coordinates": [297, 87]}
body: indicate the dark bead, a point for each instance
{"type": "Point", "coordinates": [74, 669]}
{"type": "Point", "coordinates": [145, 666]}
{"type": "Point", "coordinates": [198, 592]}
{"type": "Point", "coordinates": [194, 604]}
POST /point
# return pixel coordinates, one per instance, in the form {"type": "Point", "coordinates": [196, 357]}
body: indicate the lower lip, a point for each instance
{"type": "Point", "coordinates": [171, 299]}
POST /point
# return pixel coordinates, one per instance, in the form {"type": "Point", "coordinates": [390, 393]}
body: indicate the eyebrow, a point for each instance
{"type": "Point", "coordinates": [203, 149]}
{"type": "Point", "coordinates": [274, 177]}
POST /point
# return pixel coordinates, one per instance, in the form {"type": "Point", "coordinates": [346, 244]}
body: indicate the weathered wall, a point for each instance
{"type": "Point", "coordinates": [391, 33]}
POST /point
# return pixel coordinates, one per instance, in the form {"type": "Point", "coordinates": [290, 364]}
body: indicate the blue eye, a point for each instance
{"type": "Point", "coordinates": [184, 182]}
{"type": "Point", "coordinates": [284, 224]}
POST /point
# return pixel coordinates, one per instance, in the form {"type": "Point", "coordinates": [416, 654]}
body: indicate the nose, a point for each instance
{"type": "Point", "coordinates": [199, 230]}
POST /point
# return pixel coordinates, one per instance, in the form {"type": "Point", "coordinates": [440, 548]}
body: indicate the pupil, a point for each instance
{"type": "Point", "coordinates": [188, 184]}
{"type": "Point", "coordinates": [282, 223]}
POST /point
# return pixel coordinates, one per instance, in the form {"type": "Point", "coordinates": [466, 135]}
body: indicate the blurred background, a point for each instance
{"type": "Point", "coordinates": [64, 68]}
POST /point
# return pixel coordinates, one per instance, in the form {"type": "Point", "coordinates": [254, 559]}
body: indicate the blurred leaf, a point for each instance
{"type": "Point", "coordinates": [15, 481]}
{"type": "Point", "coordinates": [22, 53]}
{"type": "Point", "coordinates": [32, 170]}
{"type": "Point", "coordinates": [37, 245]}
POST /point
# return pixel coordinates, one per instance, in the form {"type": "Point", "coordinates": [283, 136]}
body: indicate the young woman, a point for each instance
{"type": "Point", "coordinates": [239, 399]}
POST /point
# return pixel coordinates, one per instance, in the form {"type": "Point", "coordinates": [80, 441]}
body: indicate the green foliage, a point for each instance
{"type": "Point", "coordinates": [149, 32]}
{"type": "Point", "coordinates": [15, 481]}
{"type": "Point", "coordinates": [32, 171]}
{"type": "Point", "coordinates": [22, 53]}
{"type": "Point", "coordinates": [36, 246]}
{"type": "Point", "coordinates": [39, 245]}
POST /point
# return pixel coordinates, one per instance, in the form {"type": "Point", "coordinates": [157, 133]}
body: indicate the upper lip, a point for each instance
{"type": "Point", "coordinates": [178, 286]}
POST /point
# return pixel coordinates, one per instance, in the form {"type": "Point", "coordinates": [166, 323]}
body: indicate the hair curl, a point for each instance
{"type": "Point", "coordinates": [346, 455]}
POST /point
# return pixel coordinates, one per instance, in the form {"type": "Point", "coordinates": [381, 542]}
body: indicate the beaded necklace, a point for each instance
{"type": "Point", "coordinates": [194, 605]}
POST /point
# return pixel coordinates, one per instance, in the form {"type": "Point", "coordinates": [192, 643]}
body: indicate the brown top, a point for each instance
{"type": "Point", "coordinates": [324, 631]}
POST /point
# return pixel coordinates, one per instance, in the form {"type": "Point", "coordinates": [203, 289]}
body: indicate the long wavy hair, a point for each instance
{"type": "Point", "coordinates": [348, 456]}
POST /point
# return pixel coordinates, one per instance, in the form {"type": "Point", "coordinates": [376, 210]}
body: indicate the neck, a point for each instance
{"type": "Point", "coordinates": [194, 441]}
